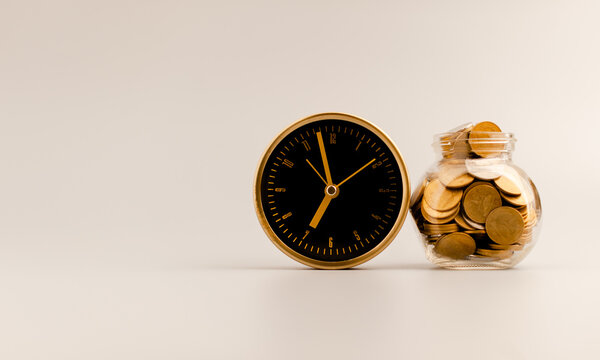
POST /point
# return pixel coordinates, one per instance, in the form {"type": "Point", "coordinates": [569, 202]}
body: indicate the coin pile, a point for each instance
{"type": "Point", "coordinates": [475, 205]}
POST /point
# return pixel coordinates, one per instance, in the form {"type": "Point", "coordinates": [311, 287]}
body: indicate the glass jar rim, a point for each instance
{"type": "Point", "coordinates": [486, 143]}
{"type": "Point", "coordinates": [495, 137]}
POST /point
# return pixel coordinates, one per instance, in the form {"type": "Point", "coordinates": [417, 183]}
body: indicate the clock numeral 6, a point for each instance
{"type": "Point", "coordinates": [330, 242]}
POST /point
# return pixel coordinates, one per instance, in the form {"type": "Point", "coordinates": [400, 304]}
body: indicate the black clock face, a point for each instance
{"type": "Point", "coordinates": [332, 190]}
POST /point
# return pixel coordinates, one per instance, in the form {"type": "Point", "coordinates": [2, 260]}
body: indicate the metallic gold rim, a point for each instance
{"type": "Point", "coordinates": [332, 264]}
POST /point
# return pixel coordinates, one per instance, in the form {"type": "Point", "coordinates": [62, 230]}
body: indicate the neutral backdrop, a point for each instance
{"type": "Point", "coordinates": [130, 132]}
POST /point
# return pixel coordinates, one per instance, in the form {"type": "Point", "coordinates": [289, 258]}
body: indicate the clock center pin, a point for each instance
{"type": "Point", "coordinates": [332, 191]}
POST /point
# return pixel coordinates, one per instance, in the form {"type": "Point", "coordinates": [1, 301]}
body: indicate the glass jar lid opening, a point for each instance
{"type": "Point", "coordinates": [474, 143]}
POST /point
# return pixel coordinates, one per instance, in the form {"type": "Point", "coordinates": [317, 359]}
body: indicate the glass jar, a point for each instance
{"type": "Point", "coordinates": [475, 208]}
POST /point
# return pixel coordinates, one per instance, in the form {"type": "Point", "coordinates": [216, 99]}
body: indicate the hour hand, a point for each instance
{"type": "Point", "coordinates": [313, 167]}
{"type": "Point", "coordinates": [320, 211]}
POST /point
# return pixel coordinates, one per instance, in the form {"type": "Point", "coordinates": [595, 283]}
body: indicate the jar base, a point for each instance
{"type": "Point", "coordinates": [474, 263]}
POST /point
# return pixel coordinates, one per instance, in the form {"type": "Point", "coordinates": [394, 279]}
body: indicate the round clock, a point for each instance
{"type": "Point", "coordinates": [332, 191]}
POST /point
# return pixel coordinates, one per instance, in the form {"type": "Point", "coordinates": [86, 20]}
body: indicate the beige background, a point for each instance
{"type": "Point", "coordinates": [129, 136]}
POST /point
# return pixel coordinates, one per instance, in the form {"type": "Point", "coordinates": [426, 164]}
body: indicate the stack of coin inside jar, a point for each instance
{"type": "Point", "coordinates": [476, 204]}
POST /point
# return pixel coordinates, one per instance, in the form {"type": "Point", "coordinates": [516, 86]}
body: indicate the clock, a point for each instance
{"type": "Point", "coordinates": [331, 191]}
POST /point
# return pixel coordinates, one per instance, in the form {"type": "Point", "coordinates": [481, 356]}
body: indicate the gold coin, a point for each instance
{"type": "Point", "coordinates": [523, 210]}
{"type": "Point", "coordinates": [454, 176]}
{"type": "Point", "coordinates": [454, 144]}
{"type": "Point", "coordinates": [438, 214]}
{"type": "Point", "coordinates": [482, 139]}
{"type": "Point", "coordinates": [504, 225]}
{"type": "Point", "coordinates": [518, 200]}
{"type": "Point", "coordinates": [514, 247]}
{"type": "Point", "coordinates": [418, 194]}
{"type": "Point", "coordinates": [475, 232]}
{"type": "Point", "coordinates": [462, 222]}
{"type": "Point", "coordinates": [525, 239]}
{"type": "Point", "coordinates": [530, 219]}
{"type": "Point", "coordinates": [485, 169]}
{"type": "Point", "coordinates": [440, 198]}
{"type": "Point", "coordinates": [536, 198]}
{"type": "Point", "coordinates": [498, 254]}
{"type": "Point", "coordinates": [472, 223]}
{"type": "Point", "coordinates": [461, 145]}
{"type": "Point", "coordinates": [435, 220]}
{"type": "Point", "coordinates": [431, 229]}
{"type": "Point", "coordinates": [480, 200]}
{"type": "Point", "coordinates": [455, 245]}
{"type": "Point", "coordinates": [507, 186]}
{"type": "Point", "coordinates": [416, 210]}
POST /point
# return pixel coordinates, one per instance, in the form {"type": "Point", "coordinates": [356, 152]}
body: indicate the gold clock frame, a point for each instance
{"type": "Point", "coordinates": [319, 264]}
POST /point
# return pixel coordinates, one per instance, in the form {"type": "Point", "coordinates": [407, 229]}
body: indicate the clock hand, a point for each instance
{"type": "Point", "coordinates": [356, 172]}
{"type": "Point", "coordinates": [320, 211]}
{"type": "Point", "coordinates": [324, 158]}
{"type": "Point", "coordinates": [311, 165]}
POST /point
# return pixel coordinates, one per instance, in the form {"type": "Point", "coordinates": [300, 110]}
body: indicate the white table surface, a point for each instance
{"type": "Point", "coordinates": [408, 311]}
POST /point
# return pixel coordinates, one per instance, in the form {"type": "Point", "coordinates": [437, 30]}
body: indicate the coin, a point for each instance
{"type": "Point", "coordinates": [454, 144]}
{"type": "Point", "coordinates": [504, 225]}
{"type": "Point", "coordinates": [432, 229]}
{"type": "Point", "coordinates": [418, 194]}
{"type": "Point", "coordinates": [509, 182]}
{"type": "Point", "coordinates": [440, 198]}
{"type": "Point", "coordinates": [518, 200]}
{"type": "Point", "coordinates": [475, 232]}
{"type": "Point", "coordinates": [472, 223]}
{"type": "Point", "coordinates": [461, 145]}
{"type": "Point", "coordinates": [485, 169]}
{"type": "Point", "coordinates": [506, 247]}
{"type": "Point", "coordinates": [462, 222]}
{"type": "Point", "coordinates": [455, 245]}
{"type": "Point", "coordinates": [435, 220]}
{"type": "Point", "coordinates": [483, 140]}
{"type": "Point", "coordinates": [507, 186]}
{"type": "Point", "coordinates": [432, 213]}
{"type": "Point", "coordinates": [454, 176]}
{"type": "Point", "coordinates": [530, 220]}
{"type": "Point", "coordinates": [498, 254]}
{"type": "Point", "coordinates": [479, 201]}
{"type": "Point", "coordinates": [536, 198]}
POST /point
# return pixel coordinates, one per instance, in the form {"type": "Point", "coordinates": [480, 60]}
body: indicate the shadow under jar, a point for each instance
{"type": "Point", "coordinates": [475, 208]}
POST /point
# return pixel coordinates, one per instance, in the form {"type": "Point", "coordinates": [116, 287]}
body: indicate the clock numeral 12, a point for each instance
{"type": "Point", "coordinates": [332, 137]}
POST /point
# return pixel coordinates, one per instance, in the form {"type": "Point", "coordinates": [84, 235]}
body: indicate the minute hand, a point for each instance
{"type": "Point", "coordinates": [324, 158]}
{"type": "Point", "coordinates": [356, 172]}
